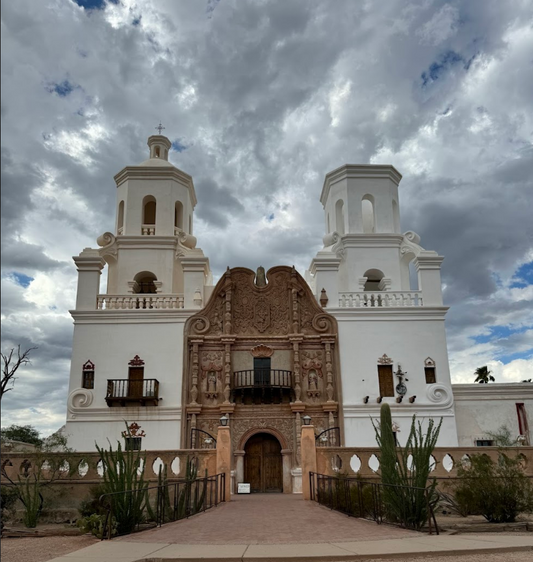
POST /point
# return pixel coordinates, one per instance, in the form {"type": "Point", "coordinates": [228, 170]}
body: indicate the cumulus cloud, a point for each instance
{"type": "Point", "coordinates": [261, 100]}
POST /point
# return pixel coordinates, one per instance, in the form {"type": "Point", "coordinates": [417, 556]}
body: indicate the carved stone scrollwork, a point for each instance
{"type": "Point", "coordinates": [80, 398]}
{"type": "Point", "coordinates": [262, 351]}
{"type": "Point", "coordinates": [411, 244]}
{"type": "Point", "coordinates": [201, 325]}
{"type": "Point", "coordinates": [106, 239]}
{"type": "Point", "coordinates": [322, 323]}
{"type": "Point", "coordinates": [285, 426]}
{"type": "Point", "coordinates": [439, 394]}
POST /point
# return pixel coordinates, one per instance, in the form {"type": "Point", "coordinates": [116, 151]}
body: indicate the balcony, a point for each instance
{"type": "Point", "coordinates": [123, 392]}
{"type": "Point", "coordinates": [139, 301]}
{"type": "Point", "coordinates": [380, 299]}
{"type": "Point", "coordinates": [262, 386]}
{"type": "Point", "coordinates": [148, 229]}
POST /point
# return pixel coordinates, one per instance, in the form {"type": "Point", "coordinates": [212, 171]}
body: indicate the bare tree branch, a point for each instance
{"type": "Point", "coordinates": [10, 366]}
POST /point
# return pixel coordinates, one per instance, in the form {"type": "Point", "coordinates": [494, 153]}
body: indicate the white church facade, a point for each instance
{"type": "Point", "coordinates": [167, 349]}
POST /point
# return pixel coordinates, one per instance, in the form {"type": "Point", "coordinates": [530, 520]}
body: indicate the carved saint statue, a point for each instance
{"type": "Point", "coordinates": [313, 380]}
{"type": "Point", "coordinates": [211, 382]}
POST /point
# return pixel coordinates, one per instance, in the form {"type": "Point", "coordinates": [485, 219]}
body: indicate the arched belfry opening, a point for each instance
{"type": "Point", "coordinates": [339, 217]}
{"type": "Point", "coordinates": [263, 467]}
{"type": "Point", "coordinates": [373, 280]}
{"type": "Point", "coordinates": [145, 283]}
{"type": "Point", "coordinates": [149, 209]}
{"type": "Point", "coordinates": [178, 215]}
{"type": "Point", "coordinates": [369, 218]}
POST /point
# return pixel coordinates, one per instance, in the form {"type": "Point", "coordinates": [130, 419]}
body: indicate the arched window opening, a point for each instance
{"type": "Point", "coordinates": [120, 225]}
{"type": "Point", "coordinates": [190, 224]}
{"type": "Point", "coordinates": [339, 216]}
{"type": "Point", "coordinates": [178, 215]}
{"type": "Point", "coordinates": [429, 371]}
{"type": "Point", "coordinates": [413, 276]}
{"type": "Point", "coordinates": [396, 216]}
{"type": "Point", "coordinates": [373, 280]}
{"type": "Point", "coordinates": [88, 375]}
{"type": "Point", "coordinates": [145, 283]}
{"type": "Point", "coordinates": [149, 209]}
{"type": "Point", "coordinates": [157, 152]}
{"type": "Point", "coordinates": [367, 208]}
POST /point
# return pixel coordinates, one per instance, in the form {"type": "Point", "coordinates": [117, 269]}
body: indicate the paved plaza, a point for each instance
{"type": "Point", "coordinates": [284, 527]}
{"type": "Point", "coordinates": [269, 519]}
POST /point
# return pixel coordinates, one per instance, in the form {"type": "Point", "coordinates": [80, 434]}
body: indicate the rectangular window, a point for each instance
{"type": "Point", "coordinates": [88, 379]}
{"type": "Point", "coordinates": [132, 443]}
{"type": "Point", "coordinates": [430, 375]}
{"type": "Point", "coordinates": [386, 382]}
{"type": "Point", "coordinates": [484, 442]}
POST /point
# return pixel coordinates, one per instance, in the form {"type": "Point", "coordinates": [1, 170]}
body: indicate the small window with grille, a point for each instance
{"type": "Point", "coordinates": [132, 443]}
{"type": "Point", "coordinates": [484, 442]}
{"type": "Point", "coordinates": [88, 375]}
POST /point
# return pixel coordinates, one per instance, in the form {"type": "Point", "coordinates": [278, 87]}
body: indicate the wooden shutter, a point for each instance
{"type": "Point", "coordinates": [386, 383]}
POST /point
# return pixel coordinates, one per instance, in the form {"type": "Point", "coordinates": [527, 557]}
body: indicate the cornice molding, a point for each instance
{"type": "Point", "coordinates": [493, 391]}
{"type": "Point", "coordinates": [389, 314]}
{"type": "Point", "coordinates": [158, 316]}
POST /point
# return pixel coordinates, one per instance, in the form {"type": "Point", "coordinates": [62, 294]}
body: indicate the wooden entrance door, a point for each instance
{"type": "Point", "coordinates": [262, 463]}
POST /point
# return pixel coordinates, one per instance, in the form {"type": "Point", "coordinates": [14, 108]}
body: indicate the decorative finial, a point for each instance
{"type": "Point", "coordinates": [160, 127]}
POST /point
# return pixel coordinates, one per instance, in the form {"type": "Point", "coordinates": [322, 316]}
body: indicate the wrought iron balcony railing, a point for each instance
{"type": "Point", "coordinates": [262, 378]}
{"type": "Point", "coordinates": [124, 391]}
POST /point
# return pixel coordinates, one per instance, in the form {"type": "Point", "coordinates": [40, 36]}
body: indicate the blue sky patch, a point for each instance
{"type": "Point", "coordinates": [63, 89]}
{"type": "Point", "coordinates": [438, 68]}
{"type": "Point", "coordinates": [505, 359]}
{"type": "Point", "coordinates": [136, 21]}
{"type": "Point", "coordinates": [270, 217]}
{"type": "Point", "coordinates": [523, 276]}
{"type": "Point", "coordinates": [498, 333]}
{"type": "Point", "coordinates": [22, 279]}
{"type": "Point", "coordinates": [91, 4]}
{"type": "Point", "coordinates": [178, 147]}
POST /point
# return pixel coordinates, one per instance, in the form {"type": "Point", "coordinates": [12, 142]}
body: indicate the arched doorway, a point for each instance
{"type": "Point", "coordinates": [263, 464]}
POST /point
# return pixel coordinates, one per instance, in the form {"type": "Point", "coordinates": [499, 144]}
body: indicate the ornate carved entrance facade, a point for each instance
{"type": "Point", "coordinates": [263, 352]}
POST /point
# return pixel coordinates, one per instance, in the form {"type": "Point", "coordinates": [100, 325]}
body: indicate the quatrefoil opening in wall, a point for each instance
{"type": "Point", "coordinates": [262, 351]}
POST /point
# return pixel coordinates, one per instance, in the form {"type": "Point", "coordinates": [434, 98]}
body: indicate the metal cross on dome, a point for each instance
{"type": "Point", "coordinates": [160, 127]}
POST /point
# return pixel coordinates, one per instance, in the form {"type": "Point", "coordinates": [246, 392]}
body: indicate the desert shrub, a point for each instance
{"type": "Point", "coordinates": [408, 491]}
{"type": "Point", "coordinates": [92, 504]}
{"type": "Point", "coordinates": [50, 462]}
{"type": "Point", "coordinates": [8, 499]}
{"type": "Point", "coordinates": [94, 524]}
{"type": "Point", "coordinates": [497, 490]}
{"type": "Point", "coordinates": [125, 481]}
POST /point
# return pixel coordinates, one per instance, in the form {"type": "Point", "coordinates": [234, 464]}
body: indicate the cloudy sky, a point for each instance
{"type": "Point", "coordinates": [261, 99]}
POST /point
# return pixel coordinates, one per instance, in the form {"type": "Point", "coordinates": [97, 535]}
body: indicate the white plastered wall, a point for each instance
{"type": "Point", "coordinates": [110, 346]}
{"type": "Point", "coordinates": [408, 338]}
{"type": "Point", "coordinates": [484, 408]}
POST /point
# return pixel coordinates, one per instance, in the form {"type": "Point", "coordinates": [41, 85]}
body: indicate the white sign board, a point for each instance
{"type": "Point", "coordinates": [243, 488]}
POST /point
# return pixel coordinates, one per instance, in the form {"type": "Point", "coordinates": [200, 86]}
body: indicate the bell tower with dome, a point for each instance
{"type": "Point", "coordinates": [131, 335]}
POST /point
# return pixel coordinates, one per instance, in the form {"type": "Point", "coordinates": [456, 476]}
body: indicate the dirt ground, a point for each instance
{"type": "Point", "coordinates": [41, 549]}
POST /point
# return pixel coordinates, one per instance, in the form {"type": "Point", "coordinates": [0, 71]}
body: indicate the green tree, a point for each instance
{"type": "Point", "coordinates": [24, 433]}
{"type": "Point", "coordinates": [483, 375]}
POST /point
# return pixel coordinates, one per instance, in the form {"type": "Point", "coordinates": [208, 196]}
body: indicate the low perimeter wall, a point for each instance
{"type": "Point", "coordinates": [364, 462]}
{"type": "Point", "coordinates": [85, 470]}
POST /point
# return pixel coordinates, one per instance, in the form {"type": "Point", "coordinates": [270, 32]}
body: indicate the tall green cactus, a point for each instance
{"type": "Point", "coordinates": [387, 444]}
{"type": "Point", "coordinates": [189, 503]}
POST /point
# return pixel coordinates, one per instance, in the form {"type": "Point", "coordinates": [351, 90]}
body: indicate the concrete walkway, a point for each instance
{"type": "Point", "coordinates": [285, 527]}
